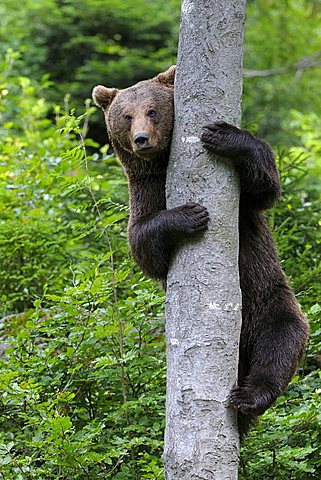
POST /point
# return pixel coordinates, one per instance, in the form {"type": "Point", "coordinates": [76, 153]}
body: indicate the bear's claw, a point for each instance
{"type": "Point", "coordinates": [225, 140]}
{"type": "Point", "coordinates": [251, 400]}
{"type": "Point", "coordinates": [194, 217]}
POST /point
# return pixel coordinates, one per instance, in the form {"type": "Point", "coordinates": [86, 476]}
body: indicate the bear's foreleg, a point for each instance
{"type": "Point", "coordinates": [153, 239]}
{"type": "Point", "coordinates": [253, 158]}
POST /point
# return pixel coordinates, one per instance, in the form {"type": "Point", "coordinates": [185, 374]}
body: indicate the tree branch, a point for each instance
{"type": "Point", "coordinates": [314, 61]}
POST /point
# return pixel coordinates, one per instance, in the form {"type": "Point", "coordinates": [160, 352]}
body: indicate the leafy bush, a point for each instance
{"type": "Point", "coordinates": [287, 443]}
{"type": "Point", "coordinates": [83, 382]}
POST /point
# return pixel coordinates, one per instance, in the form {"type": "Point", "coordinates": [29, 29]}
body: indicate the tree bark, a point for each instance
{"type": "Point", "coordinates": [203, 301]}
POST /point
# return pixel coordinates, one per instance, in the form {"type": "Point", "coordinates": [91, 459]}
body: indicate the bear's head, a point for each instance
{"type": "Point", "coordinates": [140, 118]}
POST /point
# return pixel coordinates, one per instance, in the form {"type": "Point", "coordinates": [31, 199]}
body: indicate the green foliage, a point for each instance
{"type": "Point", "coordinates": [297, 220]}
{"type": "Point", "coordinates": [82, 387]}
{"type": "Point", "coordinates": [33, 239]}
{"type": "Point", "coordinates": [86, 42]}
{"type": "Point", "coordinates": [287, 443]}
{"type": "Point", "coordinates": [278, 34]}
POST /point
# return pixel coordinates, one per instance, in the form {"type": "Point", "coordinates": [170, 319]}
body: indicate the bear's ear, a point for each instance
{"type": "Point", "coordinates": [167, 78]}
{"type": "Point", "coordinates": [103, 96]}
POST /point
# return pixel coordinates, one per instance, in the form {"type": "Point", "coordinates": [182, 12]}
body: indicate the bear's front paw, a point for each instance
{"type": "Point", "coordinates": [225, 140]}
{"type": "Point", "coordinates": [192, 218]}
{"type": "Point", "coordinates": [252, 400]}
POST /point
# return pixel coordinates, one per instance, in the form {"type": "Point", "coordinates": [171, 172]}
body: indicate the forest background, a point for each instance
{"type": "Point", "coordinates": [82, 380]}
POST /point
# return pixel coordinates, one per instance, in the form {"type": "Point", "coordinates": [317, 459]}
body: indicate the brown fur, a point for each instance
{"type": "Point", "coordinates": [274, 331]}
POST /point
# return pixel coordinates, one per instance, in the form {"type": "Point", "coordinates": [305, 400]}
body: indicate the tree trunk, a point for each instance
{"type": "Point", "coordinates": [203, 312]}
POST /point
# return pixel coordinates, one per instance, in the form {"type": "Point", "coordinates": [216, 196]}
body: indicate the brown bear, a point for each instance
{"type": "Point", "coordinates": [139, 122]}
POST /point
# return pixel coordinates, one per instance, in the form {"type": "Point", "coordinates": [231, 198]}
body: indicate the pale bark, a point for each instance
{"type": "Point", "coordinates": [203, 303]}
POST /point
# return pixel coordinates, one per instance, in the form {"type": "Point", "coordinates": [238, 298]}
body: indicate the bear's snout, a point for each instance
{"type": "Point", "coordinates": [141, 140]}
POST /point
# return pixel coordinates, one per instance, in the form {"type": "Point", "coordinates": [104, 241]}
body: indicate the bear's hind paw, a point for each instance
{"type": "Point", "coordinates": [251, 400]}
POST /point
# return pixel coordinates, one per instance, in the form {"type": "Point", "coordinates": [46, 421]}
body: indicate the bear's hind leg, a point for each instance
{"type": "Point", "coordinates": [274, 356]}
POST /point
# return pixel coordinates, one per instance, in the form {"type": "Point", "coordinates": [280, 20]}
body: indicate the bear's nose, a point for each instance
{"type": "Point", "coordinates": [141, 139]}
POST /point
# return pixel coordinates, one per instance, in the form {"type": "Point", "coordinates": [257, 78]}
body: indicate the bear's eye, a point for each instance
{"type": "Point", "coordinates": [128, 118]}
{"type": "Point", "coordinates": [152, 112]}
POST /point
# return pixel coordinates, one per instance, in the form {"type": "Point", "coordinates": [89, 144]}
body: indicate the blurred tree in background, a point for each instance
{"type": "Point", "coordinates": [283, 41]}
{"type": "Point", "coordinates": [82, 348]}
